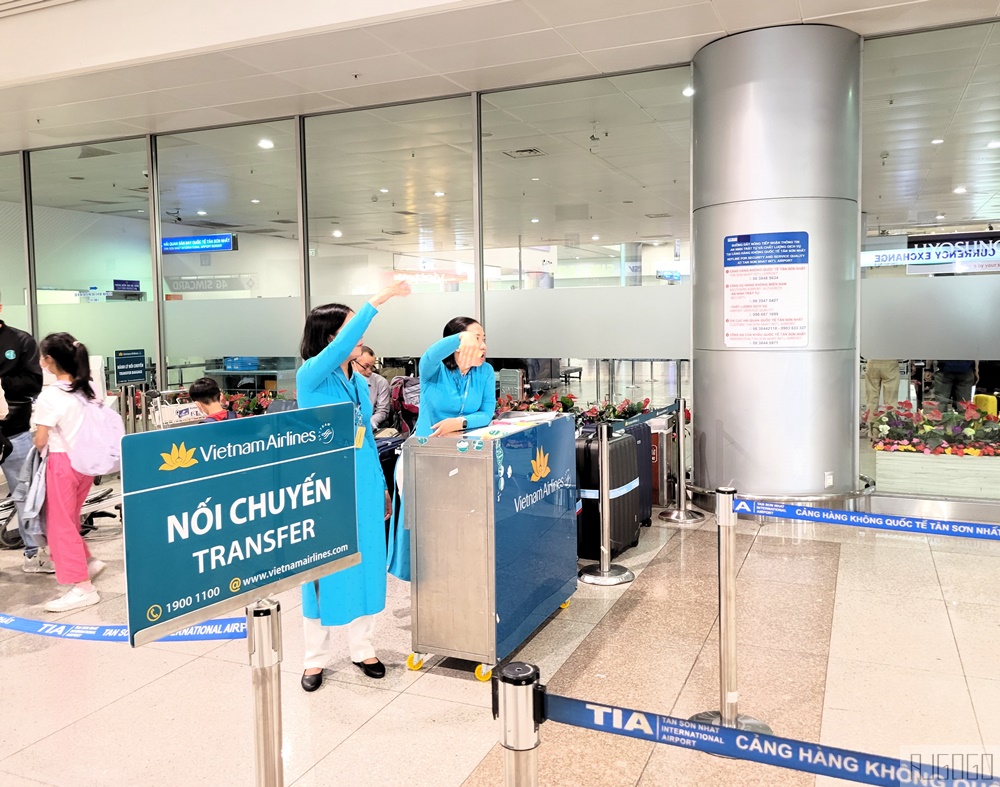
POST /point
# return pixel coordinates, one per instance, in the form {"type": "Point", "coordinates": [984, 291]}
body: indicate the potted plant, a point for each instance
{"type": "Point", "coordinates": [930, 451]}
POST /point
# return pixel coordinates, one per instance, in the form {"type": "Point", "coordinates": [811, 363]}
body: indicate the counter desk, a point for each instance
{"type": "Point", "coordinates": [492, 517]}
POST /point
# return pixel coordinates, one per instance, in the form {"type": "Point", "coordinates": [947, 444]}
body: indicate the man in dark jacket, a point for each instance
{"type": "Point", "coordinates": [21, 377]}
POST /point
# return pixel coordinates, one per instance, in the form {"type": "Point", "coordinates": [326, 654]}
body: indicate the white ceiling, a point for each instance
{"type": "Point", "coordinates": [475, 48]}
{"type": "Point", "coordinates": [941, 84]}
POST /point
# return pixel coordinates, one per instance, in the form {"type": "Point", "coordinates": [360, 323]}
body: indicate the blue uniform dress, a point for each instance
{"type": "Point", "coordinates": [444, 393]}
{"type": "Point", "coordinates": [359, 590]}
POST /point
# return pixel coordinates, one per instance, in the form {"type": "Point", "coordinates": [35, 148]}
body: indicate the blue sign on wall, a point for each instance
{"type": "Point", "coordinates": [130, 367]}
{"type": "Point", "coordinates": [766, 248]}
{"type": "Point", "coordinates": [214, 513]}
{"type": "Point", "coordinates": [126, 285]}
{"type": "Point", "coordinates": [198, 243]}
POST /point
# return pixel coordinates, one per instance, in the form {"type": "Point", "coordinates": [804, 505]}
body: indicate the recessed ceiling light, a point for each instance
{"type": "Point", "coordinates": [202, 213]}
{"type": "Point", "coordinates": [578, 258]}
{"type": "Point", "coordinates": [688, 91]}
{"type": "Point", "coordinates": [939, 216]}
{"type": "Point", "coordinates": [960, 190]}
{"type": "Point", "coordinates": [595, 237]}
{"type": "Point", "coordinates": [383, 191]}
{"type": "Point", "coordinates": [534, 178]}
{"type": "Point", "coordinates": [995, 143]}
{"type": "Point", "coordinates": [338, 234]}
{"type": "Point", "coordinates": [265, 144]}
{"type": "Point", "coordinates": [140, 211]}
{"type": "Point", "coordinates": [656, 243]}
{"type": "Point", "coordinates": [534, 221]}
{"type": "Point", "coordinates": [255, 201]}
{"type": "Point", "coordinates": [937, 141]}
{"type": "Point", "coordinates": [438, 193]}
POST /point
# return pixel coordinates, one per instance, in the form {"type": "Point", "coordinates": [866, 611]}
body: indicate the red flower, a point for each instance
{"type": "Point", "coordinates": [907, 405]}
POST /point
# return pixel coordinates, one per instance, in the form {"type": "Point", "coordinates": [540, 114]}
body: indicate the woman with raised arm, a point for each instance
{"type": "Point", "coordinates": [332, 339]}
{"type": "Point", "coordinates": [457, 392]}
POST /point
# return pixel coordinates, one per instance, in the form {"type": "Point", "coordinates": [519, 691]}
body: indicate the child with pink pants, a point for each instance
{"type": "Point", "coordinates": [58, 415]}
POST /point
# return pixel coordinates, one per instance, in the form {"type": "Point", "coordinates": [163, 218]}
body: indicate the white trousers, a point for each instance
{"type": "Point", "coordinates": [319, 640]}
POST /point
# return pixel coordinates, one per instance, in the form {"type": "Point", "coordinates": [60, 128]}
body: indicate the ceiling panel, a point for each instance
{"type": "Point", "coordinates": [913, 16]}
{"type": "Point", "coordinates": [459, 26]}
{"type": "Point", "coordinates": [569, 12]}
{"type": "Point", "coordinates": [698, 19]}
{"type": "Point", "coordinates": [495, 52]}
{"type": "Point", "coordinates": [339, 46]}
{"type": "Point", "coordinates": [537, 70]}
{"type": "Point", "coordinates": [356, 73]}
{"type": "Point", "coordinates": [659, 53]}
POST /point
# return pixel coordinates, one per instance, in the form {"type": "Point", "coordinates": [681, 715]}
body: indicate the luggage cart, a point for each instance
{"type": "Point", "coordinates": [493, 537]}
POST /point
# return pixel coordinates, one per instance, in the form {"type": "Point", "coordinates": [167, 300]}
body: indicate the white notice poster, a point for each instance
{"type": "Point", "coordinates": [766, 301]}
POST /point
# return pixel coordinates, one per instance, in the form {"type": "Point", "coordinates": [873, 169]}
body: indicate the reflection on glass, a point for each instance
{"type": "Point", "coordinates": [230, 256]}
{"type": "Point", "coordinates": [13, 273]}
{"type": "Point", "coordinates": [390, 197]}
{"type": "Point", "coordinates": [92, 253]}
{"type": "Point", "coordinates": [587, 184]}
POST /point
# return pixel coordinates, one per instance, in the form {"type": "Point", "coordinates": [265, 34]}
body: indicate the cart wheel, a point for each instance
{"type": "Point", "coordinates": [413, 662]}
{"type": "Point", "coordinates": [483, 673]}
{"type": "Point", "coordinates": [565, 604]}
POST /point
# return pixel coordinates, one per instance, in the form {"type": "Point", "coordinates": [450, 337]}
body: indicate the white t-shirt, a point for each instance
{"type": "Point", "coordinates": [62, 412]}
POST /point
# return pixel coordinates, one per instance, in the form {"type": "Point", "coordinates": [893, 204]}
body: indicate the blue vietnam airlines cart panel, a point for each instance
{"type": "Point", "coordinates": [492, 519]}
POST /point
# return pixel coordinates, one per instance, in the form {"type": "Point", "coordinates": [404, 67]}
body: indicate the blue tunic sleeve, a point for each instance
{"type": "Point", "coordinates": [431, 364]}
{"type": "Point", "coordinates": [313, 372]}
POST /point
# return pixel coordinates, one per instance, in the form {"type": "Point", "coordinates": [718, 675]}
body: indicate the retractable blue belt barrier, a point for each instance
{"type": "Point", "coordinates": [897, 524]}
{"type": "Point", "coordinates": [224, 628]}
{"type": "Point", "coordinates": [769, 749]}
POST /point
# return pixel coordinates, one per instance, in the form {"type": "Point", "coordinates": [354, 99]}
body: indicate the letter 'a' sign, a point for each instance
{"type": "Point", "coordinates": [218, 515]}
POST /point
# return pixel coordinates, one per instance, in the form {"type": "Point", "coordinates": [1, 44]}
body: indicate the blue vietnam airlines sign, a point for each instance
{"type": "Point", "coordinates": [217, 514]}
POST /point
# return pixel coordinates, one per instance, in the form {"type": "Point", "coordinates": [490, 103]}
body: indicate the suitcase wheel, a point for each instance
{"type": "Point", "coordinates": [484, 672]}
{"type": "Point", "coordinates": [415, 661]}
{"type": "Point", "coordinates": [647, 523]}
{"type": "Point", "coordinates": [565, 604]}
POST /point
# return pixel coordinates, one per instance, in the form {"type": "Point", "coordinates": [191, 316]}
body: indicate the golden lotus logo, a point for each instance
{"type": "Point", "coordinates": [539, 465]}
{"type": "Point", "coordinates": [180, 456]}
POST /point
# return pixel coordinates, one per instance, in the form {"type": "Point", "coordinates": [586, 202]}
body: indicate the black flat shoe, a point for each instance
{"type": "Point", "coordinates": [312, 682]}
{"type": "Point", "coordinates": [376, 670]}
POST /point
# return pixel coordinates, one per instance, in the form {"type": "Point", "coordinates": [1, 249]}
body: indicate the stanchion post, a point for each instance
{"type": "Point", "coordinates": [679, 512]}
{"type": "Point", "coordinates": [515, 692]}
{"type": "Point", "coordinates": [605, 572]}
{"type": "Point", "coordinates": [662, 446]}
{"type": "Point", "coordinates": [728, 714]}
{"type": "Point", "coordinates": [264, 645]}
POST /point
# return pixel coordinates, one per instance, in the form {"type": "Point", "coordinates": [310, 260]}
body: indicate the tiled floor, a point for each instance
{"type": "Point", "coordinates": [852, 638]}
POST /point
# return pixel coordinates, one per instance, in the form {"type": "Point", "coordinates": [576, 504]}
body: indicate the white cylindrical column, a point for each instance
{"type": "Point", "coordinates": [775, 196]}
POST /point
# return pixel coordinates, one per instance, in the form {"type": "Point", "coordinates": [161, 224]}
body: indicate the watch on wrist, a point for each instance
{"type": "Point", "coordinates": [465, 424]}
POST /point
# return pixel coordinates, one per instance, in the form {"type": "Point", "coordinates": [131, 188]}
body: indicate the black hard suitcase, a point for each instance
{"type": "Point", "coordinates": [624, 504]}
{"type": "Point", "coordinates": [644, 456]}
{"type": "Point", "coordinates": [388, 455]}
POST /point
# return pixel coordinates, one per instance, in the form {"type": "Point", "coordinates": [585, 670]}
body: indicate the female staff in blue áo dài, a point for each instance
{"type": "Point", "coordinates": [332, 338]}
{"type": "Point", "coordinates": [457, 392]}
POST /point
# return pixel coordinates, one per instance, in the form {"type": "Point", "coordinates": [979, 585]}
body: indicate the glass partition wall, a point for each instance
{"type": "Point", "coordinates": [228, 204]}
{"type": "Point", "coordinates": [390, 198]}
{"type": "Point", "coordinates": [14, 296]}
{"type": "Point", "coordinates": [93, 266]}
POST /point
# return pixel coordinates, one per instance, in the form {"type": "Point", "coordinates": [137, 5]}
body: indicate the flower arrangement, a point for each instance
{"type": "Point", "coordinates": [610, 412]}
{"type": "Point", "coordinates": [567, 404]}
{"type": "Point", "coordinates": [967, 431]}
{"type": "Point", "coordinates": [254, 404]}
{"type": "Point", "coordinates": [560, 404]}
